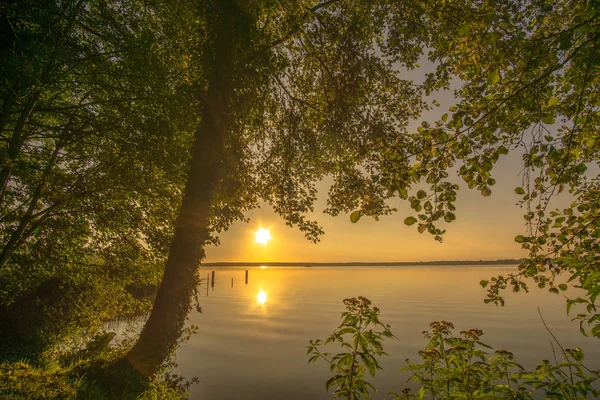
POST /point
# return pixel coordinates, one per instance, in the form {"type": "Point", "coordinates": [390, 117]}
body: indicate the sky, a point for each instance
{"type": "Point", "coordinates": [484, 229]}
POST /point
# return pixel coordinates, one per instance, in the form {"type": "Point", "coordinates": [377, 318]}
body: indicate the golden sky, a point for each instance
{"type": "Point", "coordinates": [484, 230]}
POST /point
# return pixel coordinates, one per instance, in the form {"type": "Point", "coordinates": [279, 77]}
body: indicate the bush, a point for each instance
{"type": "Point", "coordinates": [451, 367]}
{"type": "Point", "coordinates": [361, 351]}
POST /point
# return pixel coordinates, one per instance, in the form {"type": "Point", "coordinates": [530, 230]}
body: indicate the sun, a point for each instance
{"type": "Point", "coordinates": [262, 236]}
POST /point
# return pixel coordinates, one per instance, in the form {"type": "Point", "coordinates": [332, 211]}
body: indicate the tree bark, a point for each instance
{"type": "Point", "coordinates": [163, 328]}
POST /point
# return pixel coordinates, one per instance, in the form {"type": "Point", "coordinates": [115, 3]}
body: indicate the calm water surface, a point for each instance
{"type": "Point", "coordinates": [248, 350]}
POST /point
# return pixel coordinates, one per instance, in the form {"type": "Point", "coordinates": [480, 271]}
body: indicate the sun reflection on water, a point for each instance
{"type": "Point", "coordinates": [261, 297]}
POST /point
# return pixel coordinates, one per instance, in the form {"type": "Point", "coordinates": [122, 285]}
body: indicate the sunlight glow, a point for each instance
{"type": "Point", "coordinates": [261, 297]}
{"type": "Point", "coordinates": [262, 236]}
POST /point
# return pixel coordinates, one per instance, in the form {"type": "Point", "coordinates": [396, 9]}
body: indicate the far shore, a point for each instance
{"type": "Point", "coordinates": [361, 263]}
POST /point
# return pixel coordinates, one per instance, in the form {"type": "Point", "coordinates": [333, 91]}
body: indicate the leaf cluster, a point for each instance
{"type": "Point", "coordinates": [527, 82]}
{"type": "Point", "coordinates": [360, 335]}
{"type": "Point", "coordinates": [463, 367]}
{"type": "Point", "coordinates": [93, 150]}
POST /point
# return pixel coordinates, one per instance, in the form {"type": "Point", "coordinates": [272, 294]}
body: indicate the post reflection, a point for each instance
{"type": "Point", "coordinates": [265, 292]}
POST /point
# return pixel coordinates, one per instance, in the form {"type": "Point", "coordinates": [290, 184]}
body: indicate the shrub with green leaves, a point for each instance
{"type": "Point", "coordinates": [360, 335]}
{"type": "Point", "coordinates": [463, 367]}
{"type": "Point", "coordinates": [451, 366]}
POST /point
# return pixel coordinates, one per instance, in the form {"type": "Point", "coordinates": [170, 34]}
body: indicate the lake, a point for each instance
{"type": "Point", "coordinates": [251, 342]}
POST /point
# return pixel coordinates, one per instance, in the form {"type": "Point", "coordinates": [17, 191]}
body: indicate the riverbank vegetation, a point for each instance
{"type": "Point", "coordinates": [450, 367]}
{"type": "Point", "coordinates": [133, 133]}
{"type": "Point", "coordinates": [93, 376]}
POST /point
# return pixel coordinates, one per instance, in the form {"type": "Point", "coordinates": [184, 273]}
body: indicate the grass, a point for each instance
{"type": "Point", "coordinates": [98, 378]}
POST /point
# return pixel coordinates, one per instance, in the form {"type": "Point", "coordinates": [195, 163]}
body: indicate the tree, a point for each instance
{"type": "Point", "coordinates": [316, 92]}
{"type": "Point", "coordinates": [91, 146]}
{"type": "Point", "coordinates": [529, 83]}
{"type": "Point", "coordinates": [280, 96]}
{"type": "Point", "coordinates": [296, 92]}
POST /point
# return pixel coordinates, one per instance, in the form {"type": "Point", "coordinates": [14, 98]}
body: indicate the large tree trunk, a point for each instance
{"type": "Point", "coordinates": [163, 328]}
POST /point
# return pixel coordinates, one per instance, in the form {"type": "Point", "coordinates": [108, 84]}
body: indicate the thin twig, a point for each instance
{"type": "Point", "coordinates": [550, 332]}
{"type": "Point", "coordinates": [558, 343]}
{"type": "Point", "coordinates": [553, 351]}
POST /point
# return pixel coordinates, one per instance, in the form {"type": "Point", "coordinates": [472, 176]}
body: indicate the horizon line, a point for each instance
{"type": "Point", "coordinates": [496, 261]}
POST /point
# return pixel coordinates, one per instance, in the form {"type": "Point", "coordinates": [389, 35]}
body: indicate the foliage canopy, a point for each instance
{"type": "Point", "coordinates": [105, 107]}
{"type": "Point", "coordinates": [528, 74]}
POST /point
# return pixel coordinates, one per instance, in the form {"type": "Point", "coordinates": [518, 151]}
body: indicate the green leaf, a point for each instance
{"type": "Point", "coordinates": [355, 216]}
{"type": "Point", "coordinates": [421, 194]}
{"type": "Point", "coordinates": [463, 30]}
{"type": "Point", "coordinates": [548, 119]}
{"type": "Point", "coordinates": [564, 41]}
{"type": "Point", "coordinates": [332, 381]}
{"type": "Point", "coordinates": [449, 217]}
{"type": "Point", "coordinates": [581, 330]}
{"type": "Point", "coordinates": [553, 101]}
{"type": "Point", "coordinates": [519, 190]}
{"type": "Point", "coordinates": [410, 221]}
{"type": "Point", "coordinates": [563, 287]}
{"type": "Point", "coordinates": [520, 239]}
{"type": "Point", "coordinates": [577, 354]}
{"type": "Point", "coordinates": [493, 77]}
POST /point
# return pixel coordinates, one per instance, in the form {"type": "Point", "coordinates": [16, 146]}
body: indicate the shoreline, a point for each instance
{"type": "Point", "coordinates": [360, 263]}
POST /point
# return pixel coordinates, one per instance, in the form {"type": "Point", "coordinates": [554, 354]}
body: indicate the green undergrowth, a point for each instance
{"type": "Point", "coordinates": [88, 380]}
{"type": "Point", "coordinates": [92, 373]}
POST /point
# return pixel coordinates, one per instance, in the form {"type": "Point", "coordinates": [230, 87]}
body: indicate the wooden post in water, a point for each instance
{"type": "Point", "coordinates": [212, 281]}
{"type": "Point", "coordinates": [231, 282]}
{"type": "Point", "coordinates": [246, 277]}
{"type": "Point", "coordinates": [207, 279]}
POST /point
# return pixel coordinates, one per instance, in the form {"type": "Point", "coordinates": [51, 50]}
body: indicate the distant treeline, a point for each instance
{"type": "Point", "coordinates": [370, 264]}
